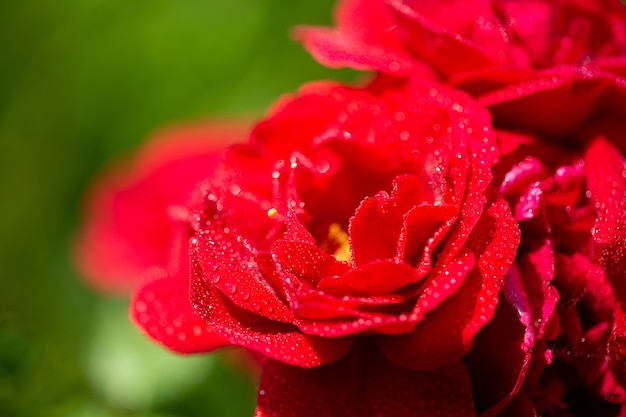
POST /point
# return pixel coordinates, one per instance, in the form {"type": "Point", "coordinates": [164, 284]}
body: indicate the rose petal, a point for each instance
{"type": "Point", "coordinates": [375, 229]}
{"type": "Point", "coordinates": [537, 268]}
{"type": "Point", "coordinates": [126, 227]}
{"type": "Point", "coordinates": [306, 262]}
{"type": "Point", "coordinates": [431, 33]}
{"type": "Point", "coordinates": [365, 39]}
{"type": "Point", "coordinates": [499, 360]}
{"type": "Point", "coordinates": [617, 347]}
{"type": "Point", "coordinates": [274, 339]}
{"type": "Point", "coordinates": [162, 309]}
{"type": "Point", "coordinates": [424, 228]}
{"type": "Point", "coordinates": [605, 170]}
{"type": "Point", "coordinates": [556, 102]}
{"type": "Point", "coordinates": [226, 265]}
{"type": "Point", "coordinates": [520, 406]}
{"type": "Point", "coordinates": [369, 21]}
{"type": "Point", "coordinates": [398, 226]}
{"type": "Point", "coordinates": [337, 50]}
{"type": "Point", "coordinates": [447, 332]}
{"type": "Point", "coordinates": [363, 384]}
{"type": "Point", "coordinates": [376, 278]}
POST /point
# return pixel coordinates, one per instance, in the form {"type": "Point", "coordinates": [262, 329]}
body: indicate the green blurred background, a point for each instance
{"type": "Point", "coordinates": [82, 81]}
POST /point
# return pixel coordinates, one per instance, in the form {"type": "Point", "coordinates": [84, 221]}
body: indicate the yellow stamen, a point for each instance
{"type": "Point", "coordinates": [337, 235]}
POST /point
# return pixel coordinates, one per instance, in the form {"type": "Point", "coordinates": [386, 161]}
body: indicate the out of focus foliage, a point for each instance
{"type": "Point", "coordinates": [81, 82]}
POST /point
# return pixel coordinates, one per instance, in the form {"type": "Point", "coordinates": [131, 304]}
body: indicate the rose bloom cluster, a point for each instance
{"type": "Point", "coordinates": [447, 239]}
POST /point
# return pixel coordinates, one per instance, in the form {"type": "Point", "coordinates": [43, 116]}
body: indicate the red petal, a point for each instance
{"type": "Point", "coordinates": [397, 226]}
{"type": "Point", "coordinates": [617, 347]}
{"type": "Point", "coordinates": [558, 102]}
{"type": "Point", "coordinates": [295, 230]}
{"type": "Point", "coordinates": [274, 339]}
{"type": "Point", "coordinates": [535, 275]}
{"type": "Point", "coordinates": [435, 341]}
{"type": "Point", "coordinates": [306, 262]}
{"type": "Point", "coordinates": [126, 226]}
{"type": "Point", "coordinates": [447, 332]}
{"type": "Point", "coordinates": [499, 360]}
{"type": "Point", "coordinates": [363, 384]}
{"type": "Point", "coordinates": [375, 229]}
{"type": "Point", "coordinates": [424, 228]}
{"type": "Point", "coordinates": [226, 265]}
{"type": "Point", "coordinates": [434, 32]}
{"type": "Point", "coordinates": [376, 278]}
{"type": "Point", "coordinates": [520, 406]}
{"type": "Point", "coordinates": [605, 169]}
{"type": "Point", "coordinates": [365, 39]}
{"type": "Point", "coordinates": [162, 309]}
{"type": "Point", "coordinates": [351, 314]}
{"type": "Point", "coordinates": [366, 20]}
{"type": "Point", "coordinates": [520, 176]}
{"type": "Point", "coordinates": [337, 50]}
{"type": "Point", "coordinates": [293, 126]}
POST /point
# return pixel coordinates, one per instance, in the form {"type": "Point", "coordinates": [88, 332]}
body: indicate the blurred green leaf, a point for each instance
{"type": "Point", "coordinates": [128, 371]}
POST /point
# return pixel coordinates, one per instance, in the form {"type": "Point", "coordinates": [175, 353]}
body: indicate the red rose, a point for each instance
{"type": "Point", "coordinates": [476, 46]}
{"type": "Point", "coordinates": [562, 141]}
{"type": "Point", "coordinates": [560, 309]}
{"type": "Point", "coordinates": [356, 234]}
{"type": "Point", "coordinates": [537, 65]}
{"type": "Point", "coordinates": [552, 76]}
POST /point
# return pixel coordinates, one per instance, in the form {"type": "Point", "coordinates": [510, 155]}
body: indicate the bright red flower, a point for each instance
{"type": "Point", "coordinates": [552, 76]}
{"type": "Point", "coordinates": [560, 309]}
{"type": "Point", "coordinates": [356, 230]}
{"type": "Point", "coordinates": [542, 66]}
{"type": "Point", "coordinates": [478, 46]}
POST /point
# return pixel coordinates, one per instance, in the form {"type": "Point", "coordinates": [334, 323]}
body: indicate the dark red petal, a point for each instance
{"type": "Point", "coordinates": [435, 341]}
{"type": "Point", "coordinates": [614, 64]}
{"type": "Point", "coordinates": [605, 169]}
{"type": "Point", "coordinates": [363, 384]}
{"type": "Point", "coordinates": [617, 347]}
{"type": "Point", "coordinates": [558, 102]}
{"type": "Point", "coordinates": [447, 332]}
{"type": "Point", "coordinates": [535, 274]}
{"type": "Point", "coordinates": [499, 360]}
{"type": "Point", "coordinates": [277, 340]}
{"type": "Point", "coordinates": [520, 406]}
{"type": "Point", "coordinates": [161, 307]}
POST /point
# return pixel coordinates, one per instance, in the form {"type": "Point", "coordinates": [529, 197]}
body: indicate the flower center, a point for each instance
{"type": "Point", "coordinates": [339, 238]}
